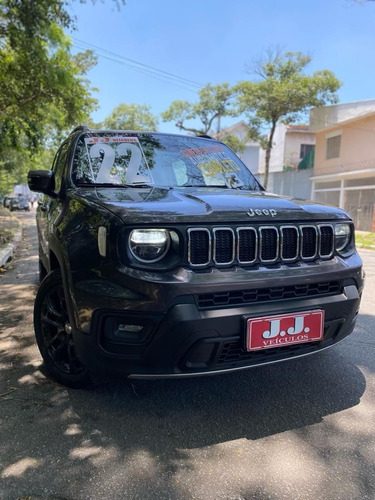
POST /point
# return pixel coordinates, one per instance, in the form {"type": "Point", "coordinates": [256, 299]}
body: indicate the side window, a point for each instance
{"type": "Point", "coordinates": [305, 150]}
{"type": "Point", "coordinates": [81, 167]}
{"type": "Point", "coordinates": [59, 165]}
{"type": "Point", "coordinates": [333, 145]}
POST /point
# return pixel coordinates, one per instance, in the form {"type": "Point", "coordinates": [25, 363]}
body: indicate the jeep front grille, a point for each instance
{"type": "Point", "coordinates": [266, 244]}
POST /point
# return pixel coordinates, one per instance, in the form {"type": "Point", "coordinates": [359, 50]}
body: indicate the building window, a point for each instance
{"type": "Point", "coordinates": [333, 147]}
{"type": "Point", "coordinates": [305, 150]}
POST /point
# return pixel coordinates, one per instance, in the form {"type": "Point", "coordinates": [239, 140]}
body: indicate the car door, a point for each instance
{"type": "Point", "coordinates": [49, 208]}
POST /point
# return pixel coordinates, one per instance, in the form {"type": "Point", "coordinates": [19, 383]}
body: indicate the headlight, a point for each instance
{"type": "Point", "coordinates": [342, 236]}
{"type": "Point", "coordinates": [149, 245]}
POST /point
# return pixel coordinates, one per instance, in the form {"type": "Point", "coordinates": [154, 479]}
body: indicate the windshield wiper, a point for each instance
{"type": "Point", "coordinates": [211, 186]}
{"type": "Point", "coordinates": [111, 185]}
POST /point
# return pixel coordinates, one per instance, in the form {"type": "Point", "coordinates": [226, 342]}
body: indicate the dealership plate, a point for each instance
{"type": "Point", "coordinates": [284, 329]}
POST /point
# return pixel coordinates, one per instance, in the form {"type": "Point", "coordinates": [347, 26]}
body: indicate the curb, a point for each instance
{"type": "Point", "coordinates": [6, 253]}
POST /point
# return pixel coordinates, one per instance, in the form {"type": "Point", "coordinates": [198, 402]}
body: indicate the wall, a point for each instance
{"type": "Point", "coordinates": [328, 116]}
{"type": "Point", "coordinates": [295, 183]}
{"type": "Point", "coordinates": [357, 145]}
{"type": "Point", "coordinates": [250, 157]}
{"type": "Point", "coordinates": [286, 148]}
{"type": "Point", "coordinates": [277, 153]}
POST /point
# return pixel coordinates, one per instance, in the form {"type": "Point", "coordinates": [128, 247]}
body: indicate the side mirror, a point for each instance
{"type": "Point", "coordinates": [42, 181]}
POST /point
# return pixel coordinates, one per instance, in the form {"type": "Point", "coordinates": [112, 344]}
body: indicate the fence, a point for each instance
{"type": "Point", "coordinates": [295, 183]}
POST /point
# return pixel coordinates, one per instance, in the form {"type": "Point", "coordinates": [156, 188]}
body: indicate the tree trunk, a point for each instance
{"type": "Point", "coordinates": [268, 155]}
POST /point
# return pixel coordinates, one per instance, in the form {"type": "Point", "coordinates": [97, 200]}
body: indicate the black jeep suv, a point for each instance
{"type": "Point", "coordinates": [162, 256]}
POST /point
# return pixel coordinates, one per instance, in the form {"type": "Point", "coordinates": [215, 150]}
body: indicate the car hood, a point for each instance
{"type": "Point", "coordinates": [204, 205]}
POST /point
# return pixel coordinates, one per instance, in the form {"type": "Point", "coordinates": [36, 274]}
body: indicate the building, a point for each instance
{"type": "Point", "coordinates": [250, 155]}
{"type": "Point", "coordinates": [344, 168]}
{"type": "Point", "coordinates": [291, 144]}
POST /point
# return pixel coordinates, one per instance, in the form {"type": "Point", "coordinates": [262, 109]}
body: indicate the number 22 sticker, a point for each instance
{"type": "Point", "coordinates": [108, 155]}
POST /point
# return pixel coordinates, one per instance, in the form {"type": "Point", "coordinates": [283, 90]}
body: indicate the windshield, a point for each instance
{"type": "Point", "coordinates": [119, 159]}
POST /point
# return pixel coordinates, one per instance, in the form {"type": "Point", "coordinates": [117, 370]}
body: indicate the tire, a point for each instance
{"type": "Point", "coordinates": [53, 334]}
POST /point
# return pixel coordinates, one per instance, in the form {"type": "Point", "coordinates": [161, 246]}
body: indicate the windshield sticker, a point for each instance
{"type": "Point", "coordinates": [216, 166]}
{"type": "Point", "coordinates": [212, 160]}
{"type": "Point", "coordinates": [189, 153]}
{"type": "Point", "coordinates": [117, 160]}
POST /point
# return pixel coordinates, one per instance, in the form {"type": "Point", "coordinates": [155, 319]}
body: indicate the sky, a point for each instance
{"type": "Point", "coordinates": [215, 41]}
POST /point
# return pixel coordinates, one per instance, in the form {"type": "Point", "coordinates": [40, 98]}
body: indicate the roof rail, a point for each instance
{"type": "Point", "coordinates": [80, 128]}
{"type": "Point", "coordinates": [205, 136]}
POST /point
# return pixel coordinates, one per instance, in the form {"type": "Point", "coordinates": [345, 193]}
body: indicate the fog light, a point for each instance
{"type": "Point", "coordinates": [126, 329]}
{"type": "Point", "coordinates": [120, 329]}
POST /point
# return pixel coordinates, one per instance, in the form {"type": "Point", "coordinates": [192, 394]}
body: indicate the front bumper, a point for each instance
{"type": "Point", "coordinates": [191, 338]}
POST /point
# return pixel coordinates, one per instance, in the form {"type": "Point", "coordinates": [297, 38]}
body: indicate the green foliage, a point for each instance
{"type": "Point", "coordinates": [43, 91]}
{"type": "Point", "coordinates": [234, 143]}
{"type": "Point", "coordinates": [214, 102]}
{"type": "Point", "coordinates": [6, 236]}
{"type": "Point", "coordinates": [283, 93]}
{"type": "Point", "coordinates": [178, 112]}
{"type": "Point", "coordinates": [131, 117]}
{"type": "Point", "coordinates": [14, 163]}
{"type": "Point", "coordinates": [41, 83]}
{"type": "Point", "coordinates": [365, 239]}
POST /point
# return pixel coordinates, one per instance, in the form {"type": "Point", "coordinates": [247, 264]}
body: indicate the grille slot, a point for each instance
{"type": "Point", "coordinates": [289, 243]}
{"type": "Point", "coordinates": [269, 244]}
{"type": "Point", "coordinates": [247, 245]}
{"type": "Point", "coordinates": [233, 352]}
{"type": "Point", "coordinates": [223, 246]}
{"type": "Point", "coordinates": [326, 241]}
{"type": "Point", "coordinates": [309, 242]}
{"type": "Point", "coordinates": [199, 246]}
{"type": "Point", "coordinates": [241, 297]}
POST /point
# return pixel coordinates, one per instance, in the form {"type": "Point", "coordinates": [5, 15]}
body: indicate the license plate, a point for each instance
{"type": "Point", "coordinates": [284, 329]}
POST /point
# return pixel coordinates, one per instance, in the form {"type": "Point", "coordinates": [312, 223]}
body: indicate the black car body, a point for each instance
{"type": "Point", "coordinates": [19, 203]}
{"type": "Point", "coordinates": [162, 256]}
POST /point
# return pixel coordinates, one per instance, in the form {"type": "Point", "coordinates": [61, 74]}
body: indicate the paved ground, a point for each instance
{"type": "Point", "coordinates": [299, 430]}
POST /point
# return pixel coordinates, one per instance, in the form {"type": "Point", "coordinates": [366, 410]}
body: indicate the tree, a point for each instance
{"type": "Point", "coordinates": [234, 143]}
{"type": "Point", "coordinates": [131, 117]}
{"type": "Point", "coordinates": [43, 89]}
{"type": "Point", "coordinates": [283, 93]}
{"type": "Point", "coordinates": [41, 83]}
{"type": "Point", "coordinates": [214, 102]}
